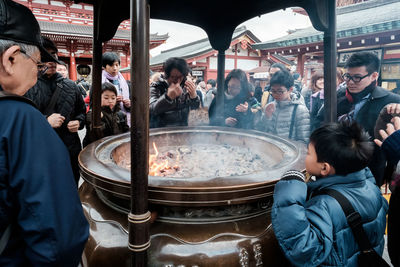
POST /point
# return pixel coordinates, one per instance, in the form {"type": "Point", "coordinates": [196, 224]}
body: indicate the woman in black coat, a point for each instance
{"type": "Point", "coordinates": [237, 96]}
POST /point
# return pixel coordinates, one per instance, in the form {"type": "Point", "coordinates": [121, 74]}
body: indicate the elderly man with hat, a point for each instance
{"type": "Point", "coordinates": [41, 218]}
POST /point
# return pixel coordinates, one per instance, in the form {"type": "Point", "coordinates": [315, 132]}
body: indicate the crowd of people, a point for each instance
{"type": "Point", "coordinates": [41, 217]}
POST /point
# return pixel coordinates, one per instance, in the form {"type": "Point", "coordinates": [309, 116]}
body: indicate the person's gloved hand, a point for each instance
{"type": "Point", "coordinates": [293, 174]}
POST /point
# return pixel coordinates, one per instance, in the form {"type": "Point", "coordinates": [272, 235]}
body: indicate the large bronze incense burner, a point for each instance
{"type": "Point", "coordinates": [199, 221]}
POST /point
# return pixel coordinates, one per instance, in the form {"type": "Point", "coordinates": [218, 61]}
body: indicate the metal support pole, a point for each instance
{"type": "Point", "coordinates": [96, 75]}
{"type": "Point", "coordinates": [139, 216]}
{"type": "Point", "coordinates": [330, 65]}
{"type": "Point", "coordinates": [220, 87]}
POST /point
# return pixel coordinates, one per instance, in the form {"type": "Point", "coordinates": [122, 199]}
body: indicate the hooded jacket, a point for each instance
{"type": "Point", "coordinates": [281, 120]}
{"type": "Point", "coordinates": [313, 231]}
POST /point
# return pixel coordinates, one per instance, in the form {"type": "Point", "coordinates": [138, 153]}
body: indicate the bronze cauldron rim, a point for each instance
{"type": "Point", "coordinates": [192, 191]}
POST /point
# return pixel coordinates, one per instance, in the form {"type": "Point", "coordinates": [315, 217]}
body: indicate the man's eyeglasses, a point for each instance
{"type": "Point", "coordinates": [40, 65]}
{"type": "Point", "coordinates": [277, 92]}
{"type": "Point", "coordinates": [356, 79]}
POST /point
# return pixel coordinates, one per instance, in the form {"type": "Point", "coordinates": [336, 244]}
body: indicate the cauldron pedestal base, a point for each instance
{"type": "Point", "coordinates": [236, 242]}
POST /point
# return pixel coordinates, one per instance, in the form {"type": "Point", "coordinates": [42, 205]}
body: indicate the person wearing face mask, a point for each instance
{"type": "Point", "coordinates": [60, 100]}
{"type": "Point", "coordinates": [172, 96]}
{"type": "Point", "coordinates": [237, 96]}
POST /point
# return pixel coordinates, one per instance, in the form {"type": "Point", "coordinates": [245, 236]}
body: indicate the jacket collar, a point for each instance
{"type": "Point", "coordinates": [107, 109]}
{"type": "Point", "coordinates": [351, 178]}
{"type": "Point", "coordinates": [7, 95]}
{"type": "Point", "coordinates": [379, 92]}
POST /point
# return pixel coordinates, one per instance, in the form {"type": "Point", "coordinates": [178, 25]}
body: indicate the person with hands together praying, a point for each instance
{"type": "Point", "coordinates": [236, 102]}
{"type": "Point", "coordinates": [286, 116]}
{"type": "Point", "coordinates": [172, 96]}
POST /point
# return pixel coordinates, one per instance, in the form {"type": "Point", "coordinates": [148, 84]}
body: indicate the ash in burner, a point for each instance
{"type": "Point", "coordinates": [204, 161]}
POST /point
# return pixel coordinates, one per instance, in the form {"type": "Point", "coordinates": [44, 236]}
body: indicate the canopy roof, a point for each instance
{"type": "Point", "coordinates": [219, 31]}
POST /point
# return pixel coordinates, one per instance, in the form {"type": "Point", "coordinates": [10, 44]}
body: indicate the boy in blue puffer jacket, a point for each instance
{"type": "Point", "coordinates": [313, 231]}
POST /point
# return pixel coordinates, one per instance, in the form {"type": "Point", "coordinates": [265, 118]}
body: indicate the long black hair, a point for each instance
{"type": "Point", "coordinates": [244, 83]}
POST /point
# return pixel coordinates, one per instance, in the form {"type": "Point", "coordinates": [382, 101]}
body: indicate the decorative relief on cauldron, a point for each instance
{"type": "Point", "coordinates": [214, 213]}
{"type": "Point", "coordinates": [244, 257]}
{"type": "Point", "coordinates": [258, 254]}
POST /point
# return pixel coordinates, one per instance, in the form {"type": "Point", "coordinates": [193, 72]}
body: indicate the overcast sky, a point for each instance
{"type": "Point", "coordinates": [265, 27]}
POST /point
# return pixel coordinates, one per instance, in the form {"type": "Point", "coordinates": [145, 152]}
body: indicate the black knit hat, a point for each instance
{"type": "Point", "coordinates": [18, 24]}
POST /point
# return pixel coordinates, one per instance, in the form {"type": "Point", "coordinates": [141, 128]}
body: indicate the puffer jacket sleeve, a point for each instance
{"type": "Point", "coordinates": [267, 124]}
{"type": "Point", "coordinates": [89, 129]}
{"type": "Point", "coordinates": [304, 234]}
{"type": "Point", "coordinates": [159, 101]}
{"type": "Point", "coordinates": [302, 129]}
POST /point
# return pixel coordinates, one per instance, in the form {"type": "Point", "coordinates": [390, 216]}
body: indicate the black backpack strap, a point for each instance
{"type": "Point", "coordinates": [292, 121]}
{"type": "Point", "coordinates": [50, 107]}
{"type": "Point", "coordinates": [353, 218]}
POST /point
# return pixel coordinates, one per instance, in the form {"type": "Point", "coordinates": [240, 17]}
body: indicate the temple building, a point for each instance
{"type": "Point", "coordinates": [372, 25]}
{"type": "Point", "coordinates": [70, 26]}
{"type": "Point", "coordinates": [202, 58]}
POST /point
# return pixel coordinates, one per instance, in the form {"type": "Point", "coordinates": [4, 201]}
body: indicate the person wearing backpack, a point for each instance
{"type": "Point", "coordinates": [286, 116]}
{"type": "Point", "coordinates": [61, 102]}
{"type": "Point", "coordinates": [310, 225]}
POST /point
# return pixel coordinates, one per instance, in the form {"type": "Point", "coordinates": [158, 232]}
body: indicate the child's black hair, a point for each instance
{"type": "Point", "coordinates": [345, 146]}
{"type": "Point", "coordinates": [106, 86]}
{"type": "Point", "coordinates": [283, 78]}
{"type": "Point", "coordinates": [109, 58]}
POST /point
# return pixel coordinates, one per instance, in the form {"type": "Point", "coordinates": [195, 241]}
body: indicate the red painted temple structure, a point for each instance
{"type": "Point", "coordinates": [70, 26]}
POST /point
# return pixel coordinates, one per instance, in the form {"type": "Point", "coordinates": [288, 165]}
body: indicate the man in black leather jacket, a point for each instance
{"type": "Point", "coordinates": [67, 113]}
{"type": "Point", "coordinates": [172, 96]}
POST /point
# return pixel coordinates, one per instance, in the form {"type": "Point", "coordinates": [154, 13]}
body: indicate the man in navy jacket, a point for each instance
{"type": "Point", "coordinates": [41, 217]}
